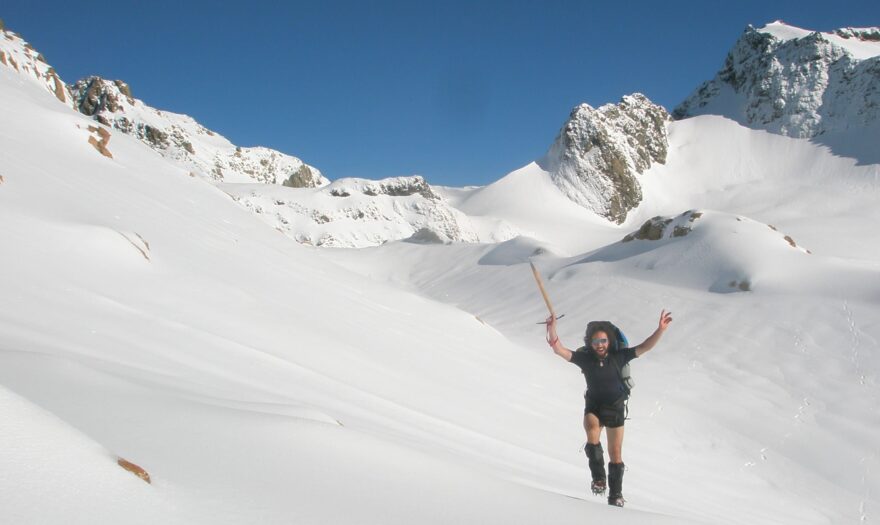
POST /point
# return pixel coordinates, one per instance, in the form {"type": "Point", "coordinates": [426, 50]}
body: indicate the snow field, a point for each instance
{"type": "Point", "coordinates": [253, 378]}
{"type": "Point", "coordinates": [146, 315]}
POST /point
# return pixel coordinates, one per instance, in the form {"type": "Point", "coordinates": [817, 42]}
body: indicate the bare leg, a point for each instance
{"type": "Point", "coordinates": [615, 444]}
{"type": "Point", "coordinates": [593, 428]}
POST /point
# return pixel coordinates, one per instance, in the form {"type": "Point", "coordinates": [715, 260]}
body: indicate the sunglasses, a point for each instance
{"type": "Point", "coordinates": [599, 341]}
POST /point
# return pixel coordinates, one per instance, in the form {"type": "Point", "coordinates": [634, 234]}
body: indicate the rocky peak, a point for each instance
{"type": "Point", "coordinates": [599, 153]}
{"type": "Point", "coordinates": [178, 138]}
{"type": "Point", "coordinates": [94, 96]}
{"type": "Point", "coordinates": [183, 140]}
{"type": "Point", "coordinates": [795, 82]}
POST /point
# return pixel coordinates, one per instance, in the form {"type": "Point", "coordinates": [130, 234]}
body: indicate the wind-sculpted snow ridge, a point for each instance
{"type": "Point", "coordinates": [185, 141]}
{"type": "Point", "coordinates": [722, 252]}
{"type": "Point", "coordinates": [357, 213]}
{"type": "Point", "coordinates": [599, 153]}
{"type": "Point", "coordinates": [797, 83]}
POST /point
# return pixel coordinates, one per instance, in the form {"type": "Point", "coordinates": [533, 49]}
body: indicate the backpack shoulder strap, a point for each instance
{"type": "Point", "coordinates": [619, 368]}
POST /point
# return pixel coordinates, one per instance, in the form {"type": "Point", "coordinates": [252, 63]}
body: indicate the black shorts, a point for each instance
{"type": "Point", "coordinates": [610, 415]}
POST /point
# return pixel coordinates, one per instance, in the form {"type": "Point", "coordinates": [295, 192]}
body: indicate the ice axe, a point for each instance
{"type": "Point", "coordinates": [543, 292]}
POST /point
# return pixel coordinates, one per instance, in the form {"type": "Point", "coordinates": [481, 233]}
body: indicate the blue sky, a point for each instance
{"type": "Point", "coordinates": [460, 92]}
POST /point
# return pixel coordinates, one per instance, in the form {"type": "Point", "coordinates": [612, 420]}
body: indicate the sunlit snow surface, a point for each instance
{"type": "Point", "coordinates": [860, 49]}
{"type": "Point", "coordinates": [146, 315]}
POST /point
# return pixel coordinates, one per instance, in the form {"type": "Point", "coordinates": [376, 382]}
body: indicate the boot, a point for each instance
{"type": "Point", "coordinates": [615, 484]}
{"type": "Point", "coordinates": [596, 459]}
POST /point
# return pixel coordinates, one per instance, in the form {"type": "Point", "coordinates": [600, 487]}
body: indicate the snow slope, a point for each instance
{"type": "Point", "coordinates": [528, 201]}
{"type": "Point", "coordinates": [826, 202]}
{"type": "Point", "coordinates": [146, 315]}
{"type": "Point", "coordinates": [47, 465]}
{"type": "Point", "coordinates": [255, 380]}
{"type": "Point", "coordinates": [761, 399]}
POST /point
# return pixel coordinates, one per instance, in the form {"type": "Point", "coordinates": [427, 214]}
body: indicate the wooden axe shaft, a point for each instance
{"type": "Point", "coordinates": [543, 291]}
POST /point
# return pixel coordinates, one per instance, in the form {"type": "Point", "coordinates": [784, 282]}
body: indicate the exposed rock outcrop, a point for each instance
{"type": "Point", "coordinates": [794, 82]}
{"type": "Point", "coordinates": [182, 139]}
{"type": "Point", "coordinates": [657, 228]}
{"type": "Point", "coordinates": [866, 34]}
{"type": "Point", "coordinates": [134, 469]}
{"type": "Point", "coordinates": [393, 187]}
{"type": "Point", "coordinates": [302, 178]}
{"type": "Point", "coordinates": [599, 153]}
{"type": "Point", "coordinates": [19, 55]}
{"type": "Point", "coordinates": [101, 141]}
{"type": "Point", "coordinates": [176, 137]}
{"type": "Point", "coordinates": [92, 97]}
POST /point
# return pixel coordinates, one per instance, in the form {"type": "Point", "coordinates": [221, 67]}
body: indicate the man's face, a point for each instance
{"type": "Point", "coordinates": [599, 343]}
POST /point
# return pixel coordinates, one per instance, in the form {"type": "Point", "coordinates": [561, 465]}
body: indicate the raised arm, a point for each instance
{"type": "Point", "coordinates": [553, 340]}
{"type": "Point", "coordinates": [665, 320]}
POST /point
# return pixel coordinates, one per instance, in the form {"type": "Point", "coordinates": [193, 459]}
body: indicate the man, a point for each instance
{"type": "Point", "coordinates": [601, 361]}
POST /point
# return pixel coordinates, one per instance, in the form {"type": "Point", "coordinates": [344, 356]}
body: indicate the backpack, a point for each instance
{"type": "Point", "coordinates": [617, 341]}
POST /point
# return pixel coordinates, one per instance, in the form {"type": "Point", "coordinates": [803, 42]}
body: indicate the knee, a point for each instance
{"type": "Point", "coordinates": [615, 453]}
{"type": "Point", "coordinates": [593, 430]}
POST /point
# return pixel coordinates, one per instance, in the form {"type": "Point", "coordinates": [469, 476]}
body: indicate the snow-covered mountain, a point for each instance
{"type": "Point", "coordinates": [31, 65]}
{"type": "Point", "coordinates": [783, 79]}
{"type": "Point", "coordinates": [594, 164]}
{"type": "Point", "coordinates": [799, 83]}
{"type": "Point", "coordinates": [176, 137]}
{"type": "Point", "coordinates": [185, 141]}
{"type": "Point", "coordinates": [148, 316]}
{"type": "Point", "coordinates": [355, 213]}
